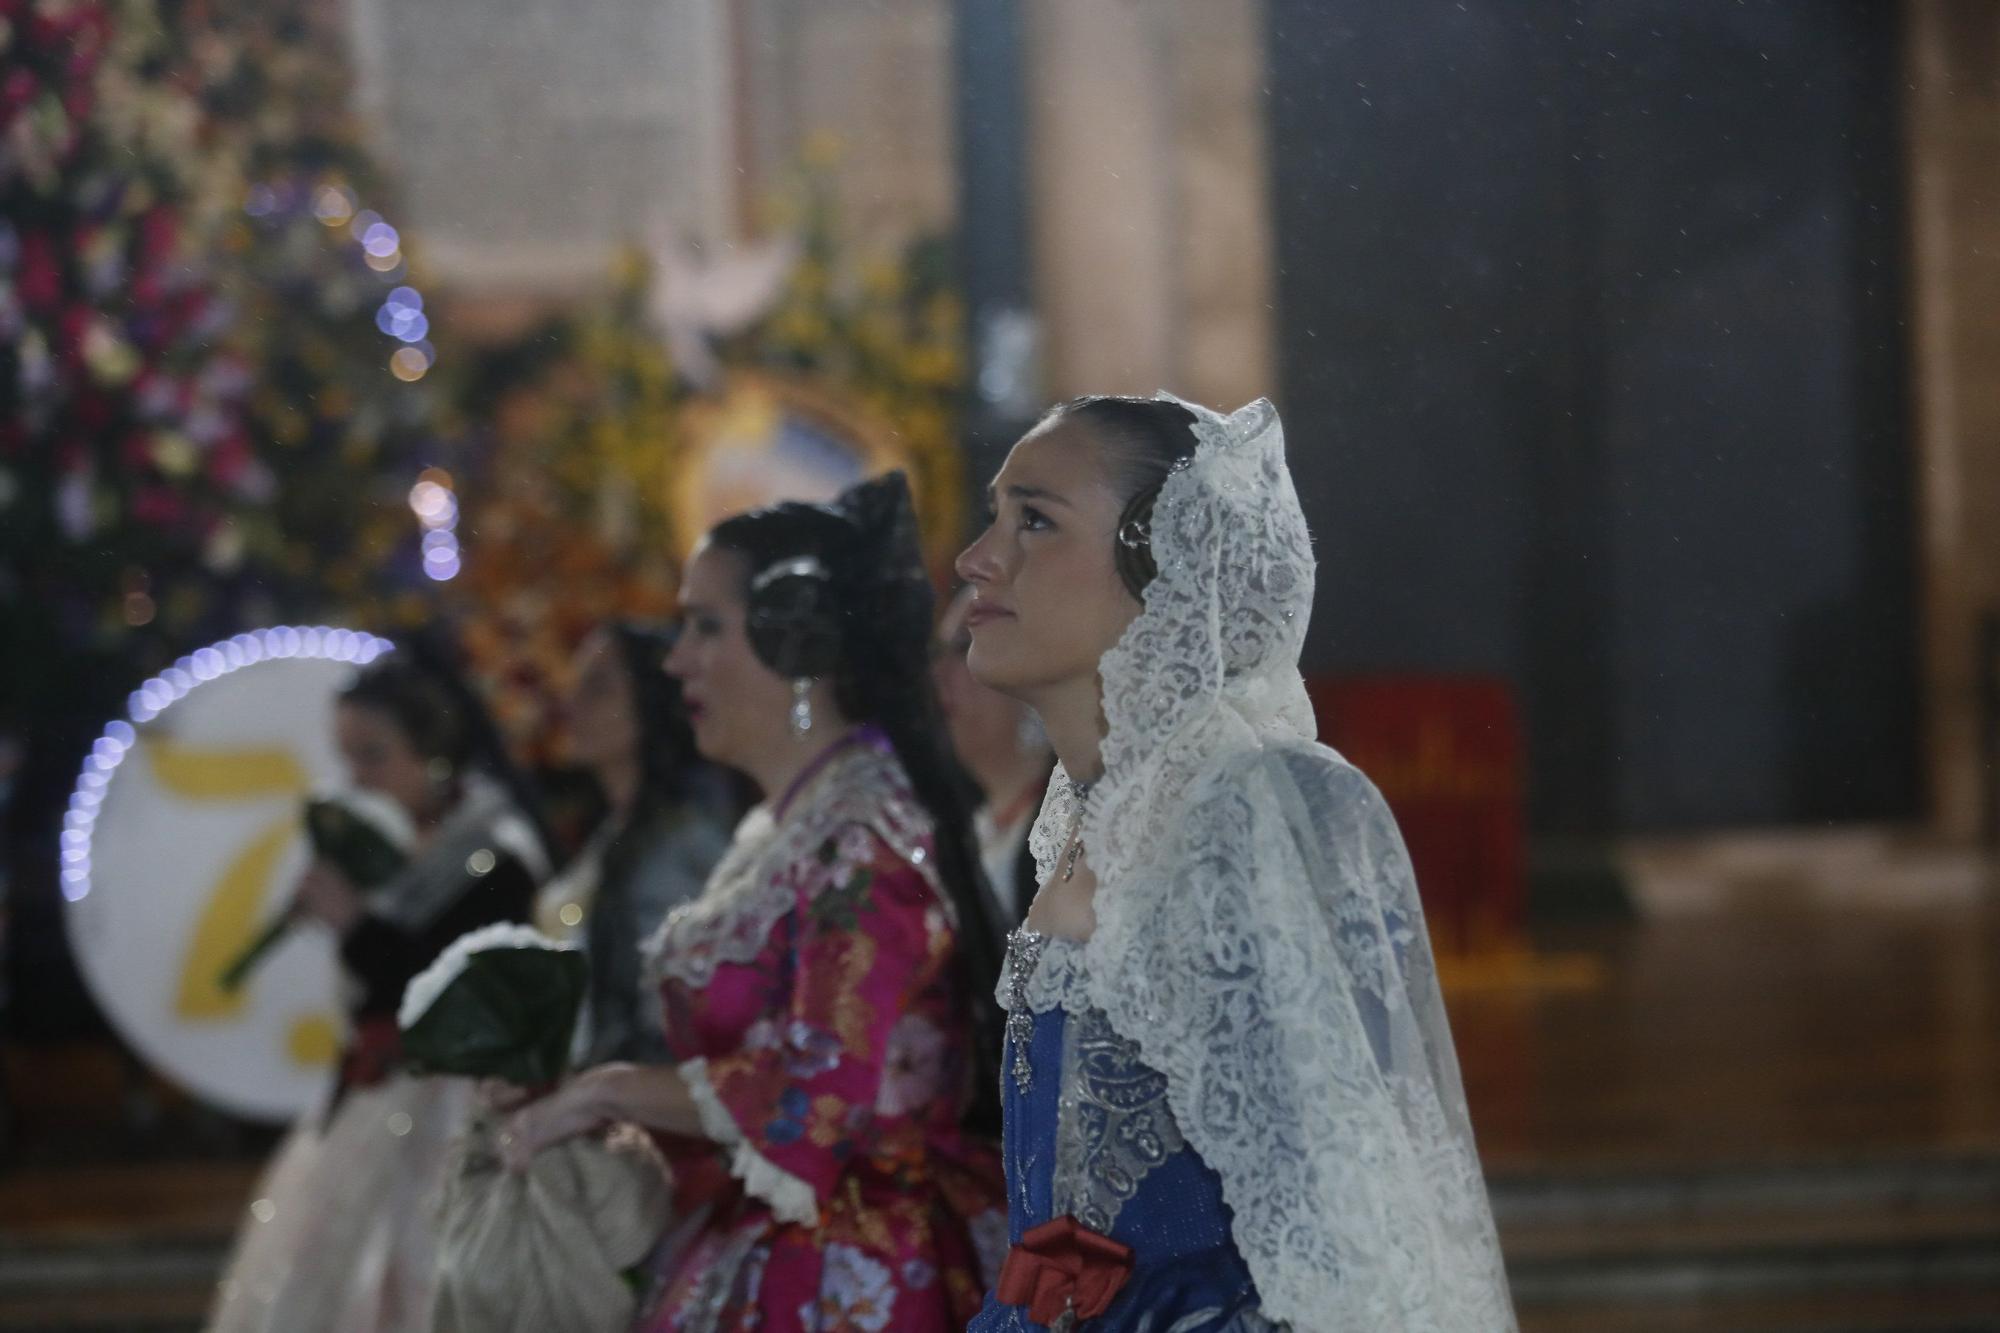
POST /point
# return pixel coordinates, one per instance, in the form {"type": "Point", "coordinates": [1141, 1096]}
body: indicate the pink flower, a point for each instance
{"type": "Point", "coordinates": [159, 506]}
{"type": "Point", "coordinates": [810, 1051]}
{"type": "Point", "coordinates": [855, 1292]}
{"type": "Point", "coordinates": [913, 1072]}
{"type": "Point", "coordinates": [229, 461]}
{"type": "Point", "coordinates": [40, 281]}
{"type": "Point", "coordinates": [158, 231]}
{"type": "Point", "coordinates": [18, 90]}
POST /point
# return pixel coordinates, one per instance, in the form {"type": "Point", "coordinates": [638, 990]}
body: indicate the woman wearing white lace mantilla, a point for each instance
{"type": "Point", "coordinates": [1230, 1092]}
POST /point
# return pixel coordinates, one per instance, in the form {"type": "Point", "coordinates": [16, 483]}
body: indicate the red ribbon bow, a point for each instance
{"type": "Point", "coordinates": [1062, 1265]}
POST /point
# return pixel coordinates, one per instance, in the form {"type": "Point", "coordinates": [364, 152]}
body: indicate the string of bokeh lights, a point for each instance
{"type": "Point", "coordinates": [401, 314]}
{"type": "Point", "coordinates": [436, 508]}
{"type": "Point", "coordinates": [169, 688]}
{"type": "Point", "coordinates": [401, 317]}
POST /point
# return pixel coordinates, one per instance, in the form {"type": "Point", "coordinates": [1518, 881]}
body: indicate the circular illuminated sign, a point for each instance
{"type": "Point", "coordinates": [182, 838]}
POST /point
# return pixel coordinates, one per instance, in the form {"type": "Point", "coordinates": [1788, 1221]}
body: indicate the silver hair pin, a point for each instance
{"type": "Point", "coordinates": [797, 567]}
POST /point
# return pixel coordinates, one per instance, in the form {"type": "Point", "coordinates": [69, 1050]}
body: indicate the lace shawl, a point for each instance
{"type": "Point", "coordinates": [1258, 933]}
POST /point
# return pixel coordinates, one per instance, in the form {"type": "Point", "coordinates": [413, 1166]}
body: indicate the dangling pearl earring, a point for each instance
{"type": "Point", "coordinates": [802, 708]}
{"type": "Point", "coordinates": [1029, 734]}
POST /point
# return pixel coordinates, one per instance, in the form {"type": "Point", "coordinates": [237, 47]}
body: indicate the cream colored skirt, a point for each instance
{"type": "Point", "coordinates": [341, 1235]}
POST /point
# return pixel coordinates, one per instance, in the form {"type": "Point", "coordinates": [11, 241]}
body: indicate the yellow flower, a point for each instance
{"type": "Point", "coordinates": [822, 150]}
{"type": "Point", "coordinates": [945, 311]}
{"type": "Point", "coordinates": [806, 327]}
{"type": "Point", "coordinates": [111, 359]}
{"type": "Point", "coordinates": [938, 366]}
{"type": "Point", "coordinates": [809, 285]}
{"type": "Point", "coordinates": [881, 279]}
{"type": "Point", "coordinates": [175, 454]}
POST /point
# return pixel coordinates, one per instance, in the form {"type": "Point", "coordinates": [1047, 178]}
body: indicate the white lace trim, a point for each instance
{"type": "Point", "coordinates": [790, 1198]}
{"type": "Point", "coordinates": [1258, 932]}
{"type": "Point", "coordinates": [425, 987]}
{"type": "Point", "coordinates": [754, 887]}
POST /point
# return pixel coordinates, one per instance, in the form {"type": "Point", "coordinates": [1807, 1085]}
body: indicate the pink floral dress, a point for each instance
{"type": "Point", "coordinates": [809, 997]}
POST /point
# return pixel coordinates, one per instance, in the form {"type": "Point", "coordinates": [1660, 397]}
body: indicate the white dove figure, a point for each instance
{"type": "Point", "coordinates": [696, 296]}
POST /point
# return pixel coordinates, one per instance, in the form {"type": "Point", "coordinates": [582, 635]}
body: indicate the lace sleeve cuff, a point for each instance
{"type": "Point", "coordinates": [790, 1198]}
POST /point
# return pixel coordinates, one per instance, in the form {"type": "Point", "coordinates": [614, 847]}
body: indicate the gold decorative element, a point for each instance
{"type": "Point", "coordinates": [768, 438]}
{"type": "Point", "coordinates": [227, 924]}
{"type": "Point", "coordinates": [313, 1041]}
{"type": "Point", "coordinates": [224, 775]}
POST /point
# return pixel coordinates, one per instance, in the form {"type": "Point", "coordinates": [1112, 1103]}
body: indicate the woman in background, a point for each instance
{"type": "Point", "coordinates": [340, 1236]}
{"type": "Point", "coordinates": [829, 996]}
{"type": "Point", "coordinates": [1001, 744]}
{"type": "Point", "coordinates": [667, 821]}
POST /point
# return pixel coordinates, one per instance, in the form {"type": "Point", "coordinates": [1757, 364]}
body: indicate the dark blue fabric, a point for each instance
{"type": "Point", "coordinates": [1184, 1261]}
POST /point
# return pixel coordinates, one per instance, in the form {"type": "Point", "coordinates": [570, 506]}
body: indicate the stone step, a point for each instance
{"type": "Point", "coordinates": [80, 1286]}
{"type": "Point", "coordinates": [1859, 1247]}
{"type": "Point", "coordinates": [1889, 1245]}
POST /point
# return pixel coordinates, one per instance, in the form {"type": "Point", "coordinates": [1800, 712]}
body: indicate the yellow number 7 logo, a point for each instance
{"type": "Point", "coordinates": [232, 912]}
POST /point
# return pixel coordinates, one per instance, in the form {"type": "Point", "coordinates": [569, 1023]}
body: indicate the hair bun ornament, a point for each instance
{"type": "Point", "coordinates": [855, 591]}
{"type": "Point", "coordinates": [793, 620]}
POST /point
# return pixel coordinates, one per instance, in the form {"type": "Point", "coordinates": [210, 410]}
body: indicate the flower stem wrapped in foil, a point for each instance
{"type": "Point", "coordinates": [551, 1248]}
{"type": "Point", "coordinates": [366, 838]}
{"type": "Point", "coordinates": [500, 1002]}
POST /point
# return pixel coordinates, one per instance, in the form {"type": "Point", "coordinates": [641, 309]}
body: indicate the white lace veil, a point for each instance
{"type": "Point", "coordinates": [1258, 932]}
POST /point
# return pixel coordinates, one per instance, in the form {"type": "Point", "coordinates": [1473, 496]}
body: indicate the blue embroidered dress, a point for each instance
{"type": "Point", "coordinates": [1089, 1134]}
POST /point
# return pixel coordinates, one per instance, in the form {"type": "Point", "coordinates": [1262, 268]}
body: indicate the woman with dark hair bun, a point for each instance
{"type": "Point", "coordinates": [666, 823]}
{"type": "Point", "coordinates": [342, 1231]}
{"type": "Point", "coordinates": [829, 997]}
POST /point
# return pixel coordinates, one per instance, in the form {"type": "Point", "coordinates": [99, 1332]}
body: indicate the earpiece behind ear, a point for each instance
{"type": "Point", "coordinates": [793, 622]}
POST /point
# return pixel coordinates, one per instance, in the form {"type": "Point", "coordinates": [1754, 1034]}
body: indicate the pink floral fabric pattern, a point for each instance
{"type": "Point", "coordinates": [840, 1055]}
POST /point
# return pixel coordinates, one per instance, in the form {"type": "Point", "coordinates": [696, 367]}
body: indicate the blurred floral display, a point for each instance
{"type": "Point", "coordinates": [210, 414]}
{"type": "Point", "coordinates": [225, 401]}
{"type": "Point", "coordinates": [600, 462]}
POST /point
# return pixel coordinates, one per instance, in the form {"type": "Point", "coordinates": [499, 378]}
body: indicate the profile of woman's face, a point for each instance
{"type": "Point", "coordinates": [1048, 601]}
{"type": "Point", "coordinates": [380, 758]}
{"type": "Point", "coordinates": [603, 715]}
{"type": "Point", "coordinates": [739, 708]}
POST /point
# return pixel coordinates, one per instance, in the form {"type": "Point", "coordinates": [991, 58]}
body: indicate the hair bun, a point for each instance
{"type": "Point", "coordinates": [847, 585]}
{"type": "Point", "coordinates": [794, 617]}
{"type": "Point", "coordinates": [889, 586]}
{"type": "Point", "coordinates": [884, 520]}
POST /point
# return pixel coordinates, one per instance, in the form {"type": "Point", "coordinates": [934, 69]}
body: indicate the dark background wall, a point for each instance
{"type": "Point", "coordinates": [1593, 370]}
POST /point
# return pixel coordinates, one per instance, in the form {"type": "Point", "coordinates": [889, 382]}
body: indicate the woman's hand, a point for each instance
{"type": "Point", "coordinates": [577, 1107]}
{"type": "Point", "coordinates": [500, 1096]}
{"type": "Point", "coordinates": [652, 1096]}
{"type": "Point", "coordinates": [323, 894]}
